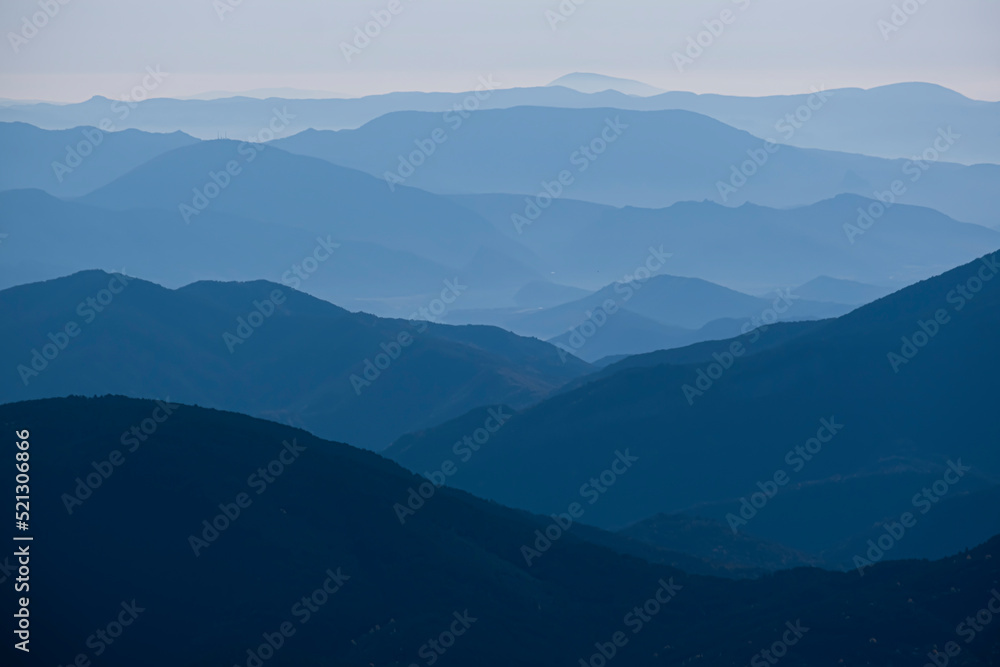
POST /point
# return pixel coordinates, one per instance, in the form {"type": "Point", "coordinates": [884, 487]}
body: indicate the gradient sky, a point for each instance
{"type": "Point", "coordinates": [772, 46]}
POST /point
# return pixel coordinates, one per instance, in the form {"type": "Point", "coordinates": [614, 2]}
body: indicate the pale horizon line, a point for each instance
{"type": "Point", "coordinates": [330, 95]}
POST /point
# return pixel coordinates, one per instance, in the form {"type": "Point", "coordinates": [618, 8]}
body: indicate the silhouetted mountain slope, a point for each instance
{"type": "Point", "coordinates": [963, 517]}
{"type": "Point", "coordinates": [460, 451]}
{"type": "Point", "coordinates": [896, 121]}
{"type": "Point", "coordinates": [750, 248]}
{"type": "Point", "coordinates": [715, 430]}
{"type": "Point", "coordinates": [631, 158]}
{"type": "Point", "coordinates": [835, 290]}
{"type": "Point", "coordinates": [759, 339]}
{"type": "Point", "coordinates": [325, 519]}
{"type": "Point", "coordinates": [266, 350]}
{"type": "Point", "coordinates": [714, 541]}
{"type": "Point", "coordinates": [948, 529]}
{"type": "Point", "coordinates": [625, 333]}
{"type": "Point", "coordinates": [274, 186]}
{"type": "Point", "coordinates": [635, 341]}
{"type": "Point", "coordinates": [73, 162]}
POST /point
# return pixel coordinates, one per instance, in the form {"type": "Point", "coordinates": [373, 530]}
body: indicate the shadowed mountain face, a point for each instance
{"type": "Point", "coordinates": [714, 540]}
{"type": "Point", "coordinates": [947, 523]}
{"type": "Point", "coordinates": [762, 338]}
{"type": "Point", "coordinates": [72, 162]}
{"type": "Point", "coordinates": [266, 350]}
{"type": "Point", "coordinates": [889, 399]}
{"type": "Point", "coordinates": [628, 158]}
{"type": "Point", "coordinates": [896, 121]}
{"type": "Point", "coordinates": [312, 559]}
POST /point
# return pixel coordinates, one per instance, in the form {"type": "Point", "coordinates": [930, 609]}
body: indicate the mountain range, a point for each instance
{"type": "Point", "coordinates": [650, 159]}
{"type": "Point", "coordinates": [416, 334]}
{"type": "Point", "coordinates": [72, 162]}
{"type": "Point", "coordinates": [659, 312]}
{"type": "Point", "coordinates": [886, 384]}
{"type": "Point", "coordinates": [311, 564]}
{"type": "Point", "coordinates": [158, 220]}
{"type": "Point", "coordinates": [267, 350]}
{"type": "Point", "coordinates": [749, 248]}
{"type": "Point", "coordinates": [894, 121]}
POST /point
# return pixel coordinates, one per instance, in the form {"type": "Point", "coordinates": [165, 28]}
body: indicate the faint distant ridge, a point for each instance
{"type": "Point", "coordinates": [12, 102]}
{"type": "Point", "coordinates": [866, 122]}
{"type": "Point", "coordinates": [268, 93]}
{"type": "Point", "coordinates": [586, 82]}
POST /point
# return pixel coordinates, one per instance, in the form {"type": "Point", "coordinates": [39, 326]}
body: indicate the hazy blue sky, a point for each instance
{"type": "Point", "coordinates": [771, 46]}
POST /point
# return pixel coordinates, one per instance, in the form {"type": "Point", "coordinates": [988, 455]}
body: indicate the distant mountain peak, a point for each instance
{"type": "Point", "coordinates": [586, 82]}
{"type": "Point", "coordinates": [921, 88]}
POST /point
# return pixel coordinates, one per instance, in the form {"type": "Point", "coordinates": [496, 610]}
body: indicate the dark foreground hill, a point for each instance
{"type": "Point", "coordinates": [267, 350]}
{"type": "Point", "coordinates": [865, 411]}
{"type": "Point", "coordinates": [316, 568]}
